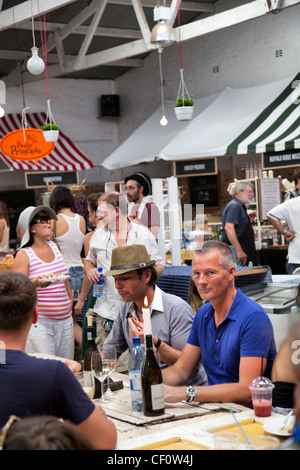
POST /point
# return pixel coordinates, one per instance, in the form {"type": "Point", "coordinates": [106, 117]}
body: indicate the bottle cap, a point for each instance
{"type": "Point", "coordinates": [136, 340]}
{"type": "Point", "coordinates": [100, 270]}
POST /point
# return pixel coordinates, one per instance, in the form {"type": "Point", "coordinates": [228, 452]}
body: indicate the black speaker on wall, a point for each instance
{"type": "Point", "coordinates": [110, 105]}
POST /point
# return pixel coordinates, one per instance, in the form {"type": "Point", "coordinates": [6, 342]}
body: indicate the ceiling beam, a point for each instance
{"type": "Point", "coordinates": [19, 14]}
{"type": "Point", "coordinates": [90, 34]}
{"type": "Point", "coordinates": [82, 30]}
{"type": "Point", "coordinates": [252, 10]}
{"type": "Point", "coordinates": [192, 30]}
{"type": "Point", "coordinates": [22, 12]}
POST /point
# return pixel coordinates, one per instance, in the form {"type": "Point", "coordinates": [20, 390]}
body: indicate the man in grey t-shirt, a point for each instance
{"type": "Point", "coordinates": [171, 317]}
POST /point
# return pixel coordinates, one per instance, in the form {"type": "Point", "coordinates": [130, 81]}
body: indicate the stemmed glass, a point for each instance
{"type": "Point", "coordinates": [102, 365]}
{"type": "Point", "coordinates": [113, 365]}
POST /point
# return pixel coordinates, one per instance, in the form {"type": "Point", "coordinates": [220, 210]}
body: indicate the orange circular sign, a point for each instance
{"type": "Point", "coordinates": [26, 144]}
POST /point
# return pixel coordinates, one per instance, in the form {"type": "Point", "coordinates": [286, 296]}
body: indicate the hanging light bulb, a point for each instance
{"type": "Point", "coordinates": [162, 34]}
{"type": "Point", "coordinates": [2, 111]}
{"type": "Point", "coordinates": [35, 64]}
{"type": "Point", "coordinates": [164, 120]}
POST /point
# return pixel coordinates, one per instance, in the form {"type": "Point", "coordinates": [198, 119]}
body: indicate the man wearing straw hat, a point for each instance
{"type": "Point", "coordinates": [171, 317]}
{"type": "Point", "coordinates": [231, 333]}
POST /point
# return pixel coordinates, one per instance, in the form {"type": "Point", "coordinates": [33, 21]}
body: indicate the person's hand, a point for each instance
{"type": "Point", "coordinates": [242, 257]}
{"type": "Point", "coordinates": [38, 282]}
{"type": "Point", "coordinates": [78, 307]}
{"type": "Point", "coordinates": [289, 235]}
{"type": "Point", "coordinates": [93, 275]}
{"type": "Point", "coordinates": [174, 394]}
{"type": "Point", "coordinates": [74, 366]}
{"type": "Point", "coordinates": [136, 329]}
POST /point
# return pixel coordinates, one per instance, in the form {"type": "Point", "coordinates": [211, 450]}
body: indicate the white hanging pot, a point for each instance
{"type": "Point", "coordinates": [51, 136]}
{"type": "Point", "coordinates": [184, 113]}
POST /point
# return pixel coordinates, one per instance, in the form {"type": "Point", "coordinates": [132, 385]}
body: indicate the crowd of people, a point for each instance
{"type": "Point", "coordinates": [210, 356]}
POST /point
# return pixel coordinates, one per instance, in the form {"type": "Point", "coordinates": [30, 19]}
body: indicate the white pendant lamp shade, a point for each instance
{"type": "Point", "coordinates": [35, 64]}
{"type": "Point", "coordinates": [2, 111]}
{"type": "Point", "coordinates": [162, 34]}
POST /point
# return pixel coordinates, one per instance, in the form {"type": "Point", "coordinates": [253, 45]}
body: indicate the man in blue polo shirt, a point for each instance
{"type": "Point", "coordinates": [237, 230]}
{"type": "Point", "coordinates": [230, 333]}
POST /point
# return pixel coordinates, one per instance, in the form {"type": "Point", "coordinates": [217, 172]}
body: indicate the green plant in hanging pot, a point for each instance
{"type": "Point", "coordinates": [184, 107]}
{"type": "Point", "coordinates": [183, 101]}
{"type": "Point", "coordinates": [50, 131]}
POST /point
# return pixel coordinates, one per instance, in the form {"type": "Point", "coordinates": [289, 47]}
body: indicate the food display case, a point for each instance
{"type": "Point", "coordinates": [277, 298]}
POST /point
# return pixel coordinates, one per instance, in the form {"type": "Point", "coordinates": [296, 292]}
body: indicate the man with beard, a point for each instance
{"type": "Point", "coordinates": [138, 187]}
{"type": "Point", "coordinates": [237, 230]}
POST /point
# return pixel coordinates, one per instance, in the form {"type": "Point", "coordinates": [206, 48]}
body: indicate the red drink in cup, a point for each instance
{"type": "Point", "coordinates": [262, 408]}
{"type": "Point", "coordinates": [261, 389]}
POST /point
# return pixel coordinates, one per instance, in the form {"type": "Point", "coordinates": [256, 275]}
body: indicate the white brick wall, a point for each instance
{"type": "Point", "coordinates": [245, 55]}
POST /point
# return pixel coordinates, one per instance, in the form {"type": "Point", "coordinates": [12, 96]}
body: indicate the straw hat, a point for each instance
{"type": "Point", "coordinates": [129, 258]}
{"type": "Point", "coordinates": [27, 216]}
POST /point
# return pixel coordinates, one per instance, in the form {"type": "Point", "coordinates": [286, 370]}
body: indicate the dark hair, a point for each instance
{"type": "Point", "coordinates": [4, 212]}
{"type": "Point", "coordinates": [92, 201]}
{"type": "Point", "coordinates": [62, 197]}
{"type": "Point", "coordinates": [115, 199]}
{"type": "Point", "coordinates": [17, 300]}
{"type": "Point", "coordinates": [44, 433]}
{"type": "Point", "coordinates": [153, 278]}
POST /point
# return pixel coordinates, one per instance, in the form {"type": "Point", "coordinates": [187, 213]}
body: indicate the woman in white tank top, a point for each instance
{"type": "Point", "coordinates": [4, 228]}
{"type": "Point", "coordinates": [69, 229]}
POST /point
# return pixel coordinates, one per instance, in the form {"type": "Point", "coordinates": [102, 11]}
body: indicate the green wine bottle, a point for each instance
{"type": "Point", "coordinates": [90, 348]}
{"type": "Point", "coordinates": [152, 384]}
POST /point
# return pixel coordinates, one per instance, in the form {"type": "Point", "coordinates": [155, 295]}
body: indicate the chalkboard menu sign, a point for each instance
{"type": "Point", "coordinates": [205, 166]}
{"type": "Point", "coordinates": [204, 190]}
{"type": "Point", "coordinates": [279, 160]}
{"type": "Point", "coordinates": [39, 179]}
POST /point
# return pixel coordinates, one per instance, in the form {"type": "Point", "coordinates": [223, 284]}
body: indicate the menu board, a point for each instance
{"type": "Point", "coordinates": [270, 195]}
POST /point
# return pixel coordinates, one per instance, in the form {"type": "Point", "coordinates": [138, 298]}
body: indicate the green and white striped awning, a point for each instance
{"type": "Point", "coordinates": [277, 128]}
{"type": "Point", "coordinates": [259, 119]}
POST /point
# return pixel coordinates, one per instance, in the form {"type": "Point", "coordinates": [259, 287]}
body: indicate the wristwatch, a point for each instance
{"type": "Point", "coordinates": [190, 392]}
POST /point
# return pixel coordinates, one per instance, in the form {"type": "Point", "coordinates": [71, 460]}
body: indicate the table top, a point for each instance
{"type": "Point", "coordinates": [182, 425]}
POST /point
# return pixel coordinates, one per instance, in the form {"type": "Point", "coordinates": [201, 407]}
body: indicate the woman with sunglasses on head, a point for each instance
{"type": "Point", "coordinates": [38, 256]}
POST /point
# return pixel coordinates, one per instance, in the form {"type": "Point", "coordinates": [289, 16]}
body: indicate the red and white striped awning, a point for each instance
{"type": "Point", "coordinates": [66, 156]}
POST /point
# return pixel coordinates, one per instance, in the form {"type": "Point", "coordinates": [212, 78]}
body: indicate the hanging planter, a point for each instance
{"type": "Point", "coordinates": [50, 132]}
{"type": "Point", "coordinates": [184, 107]}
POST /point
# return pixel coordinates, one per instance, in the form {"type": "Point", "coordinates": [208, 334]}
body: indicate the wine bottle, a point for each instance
{"type": "Point", "coordinates": [152, 384]}
{"type": "Point", "coordinates": [91, 347]}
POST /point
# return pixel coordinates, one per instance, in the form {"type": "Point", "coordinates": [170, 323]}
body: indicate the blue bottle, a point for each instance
{"type": "Point", "coordinates": [136, 360]}
{"type": "Point", "coordinates": [98, 288]}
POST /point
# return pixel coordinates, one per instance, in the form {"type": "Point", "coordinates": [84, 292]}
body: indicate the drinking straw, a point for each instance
{"type": "Point", "coordinates": [241, 429]}
{"type": "Point", "coordinates": [261, 367]}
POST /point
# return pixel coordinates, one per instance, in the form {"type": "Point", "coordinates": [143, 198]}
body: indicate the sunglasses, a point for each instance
{"type": "Point", "coordinates": [44, 219]}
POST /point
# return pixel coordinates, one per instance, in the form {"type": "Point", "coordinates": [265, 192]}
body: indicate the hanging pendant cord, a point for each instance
{"type": "Point", "coordinates": [161, 82]}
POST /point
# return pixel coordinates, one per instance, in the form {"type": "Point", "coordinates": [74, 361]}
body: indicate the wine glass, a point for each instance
{"type": "Point", "coordinates": [101, 364]}
{"type": "Point", "coordinates": [112, 366]}
{"type": "Point", "coordinates": [87, 381]}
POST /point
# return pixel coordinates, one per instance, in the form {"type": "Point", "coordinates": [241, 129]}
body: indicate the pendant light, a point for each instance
{"type": "Point", "coordinates": [35, 64]}
{"type": "Point", "coordinates": [162, 34]}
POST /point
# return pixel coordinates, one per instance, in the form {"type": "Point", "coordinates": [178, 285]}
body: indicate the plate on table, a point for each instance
{"type": "Point", "coordinates": [54, 277]}
{"type": "Point", "coordinates": [276, 426]}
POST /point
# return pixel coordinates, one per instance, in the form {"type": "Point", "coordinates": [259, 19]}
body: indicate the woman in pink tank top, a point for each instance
{"type": "Point", "coordinates": [38, 256]}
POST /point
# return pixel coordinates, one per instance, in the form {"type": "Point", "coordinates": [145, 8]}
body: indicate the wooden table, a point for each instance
{"type": "Point", "coordinates": [180, 426]}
